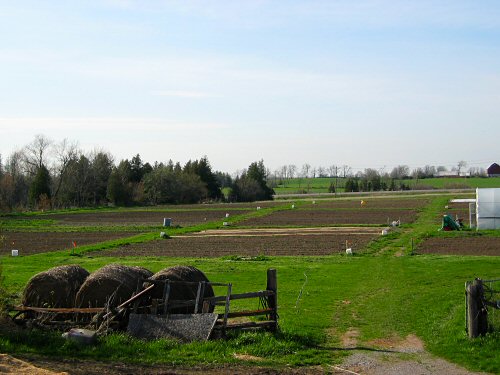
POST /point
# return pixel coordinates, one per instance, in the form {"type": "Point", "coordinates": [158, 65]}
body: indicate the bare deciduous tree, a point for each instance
{"type": "Point", "coordinates": [35, 154]}
{"type": "Point", "coordinates": [461, 166]}
{"type": "Point", "coordinates": [305, 170]}
{"type": "Point", "coordinates": [429, 170]}
{"type": "Point", "coordinates": [400, 172]}
{"type": "Point", "coordinates": [291, 169]}
{"type": "Point", "coordinates": [346, 171]}
{"type": "Point", "coordinates": [321, 171]}
{"type": "Point", "coordinates": [333, 171]}
{"type": "Point", "coordinates": [65, 152]}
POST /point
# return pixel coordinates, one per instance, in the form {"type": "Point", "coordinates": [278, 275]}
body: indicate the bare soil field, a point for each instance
{"type": "Point", "coordinates": [182, 218]}
{"type": "Point", "coordinates": [224, 206]}
{"type": "Point", "coordinates": [305, 217]}
{"type": "Point", "coordinates": [41, 242]}
{"type": "Point", "coordinates": [250, 243]}
{"type": "Point", "coordinates": [371, 203]}
{"type": "Point", "coordinates": [461, 246]}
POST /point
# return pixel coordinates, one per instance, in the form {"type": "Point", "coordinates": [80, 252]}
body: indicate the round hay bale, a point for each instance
{"type": "Point", "coordinates": [113, 284]}
{"type": "Point", "coordinates": [179, 291]}
{"type": "Point", "coordinates": [56, 287]}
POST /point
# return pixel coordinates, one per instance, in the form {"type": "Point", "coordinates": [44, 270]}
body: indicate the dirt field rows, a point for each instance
{"type": "Point", "coordinates": [251, 243]}
{"type": "Point", "coordinates": [40, 242]}
{"type": "Point", "coordinates": [461, 246]}
{"type": "Point", "coordinates": [306, 217]}
{"type": "Point", "coordinates": [370, 203]}
{"type": "Point", "coordinates": [182, 218]}
{"type": "Point", "coordinates": [224, 206]}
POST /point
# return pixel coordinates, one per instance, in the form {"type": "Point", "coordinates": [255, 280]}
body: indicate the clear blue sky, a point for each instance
{"type": "Point", "coordinates": [362, 83]}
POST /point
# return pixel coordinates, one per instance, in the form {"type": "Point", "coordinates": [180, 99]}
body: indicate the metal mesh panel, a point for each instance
{"type": "Point", "coordinates": [492, 302]}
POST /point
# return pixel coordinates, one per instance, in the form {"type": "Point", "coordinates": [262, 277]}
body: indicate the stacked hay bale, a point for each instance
{"type": "Point", "coordinates": [111, 285]}
{"type": "Point", "coordinates": [180, 291]}
{"type": "Point", "coordinates": [56, 287]}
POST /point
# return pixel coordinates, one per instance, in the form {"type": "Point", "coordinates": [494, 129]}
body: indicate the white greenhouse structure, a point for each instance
{"type": "Point", "coordinates": [488, 208]}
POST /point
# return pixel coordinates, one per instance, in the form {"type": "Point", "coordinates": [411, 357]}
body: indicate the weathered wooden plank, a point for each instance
{"type": "Point", "coordinates": [272, 299]}
{"type": "Point", "coordinates": [182, 282]}
{"type": "Point", "coordinates": [66, 310]}
{"type": "Point", "coordinates": [262, 293]}
{"type": "Point", "coordinates": [477, 318]}
{"type": "Point", "coordinates": [239, 314]}
{"type": "Point", "coordinates": [265, 324]}
{"type": "Point", "coordinates": [226, 311]}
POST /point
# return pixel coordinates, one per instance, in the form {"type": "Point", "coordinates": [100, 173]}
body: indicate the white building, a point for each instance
{"type": "Point", "coordinates": [488, 208]}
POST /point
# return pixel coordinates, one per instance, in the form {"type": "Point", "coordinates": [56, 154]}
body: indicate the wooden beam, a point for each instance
{"type": "Point", "coordinates": [60, 310]}
{"type": "Point", "coordinates": [262, 293]}
{"type": "Point", "coordinates": [226, 311]}
{"type": "Point", "coordinates": [239, 314]}
{"type": "Point", "coordinates": [265, 324]}
{"type": "Point", "coordinates": [272, 299]}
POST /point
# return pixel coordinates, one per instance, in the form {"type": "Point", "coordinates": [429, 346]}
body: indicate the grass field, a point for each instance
{"type": "Point", "coordinates": [374, 292]}
{"type": "Point", "coordinates": [321, 185]}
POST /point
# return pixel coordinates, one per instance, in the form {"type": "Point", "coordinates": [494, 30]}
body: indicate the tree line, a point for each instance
{"type": "Point", "coordinates": [369, 179]}
{"type": "Point", "coordinates": [46, 174]}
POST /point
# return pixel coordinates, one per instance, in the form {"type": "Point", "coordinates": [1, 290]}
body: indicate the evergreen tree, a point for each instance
{"type": "Point", "coordinates": [252, 185]}
{"type": "Point", "coordinates": [40, 187]}
{"type": "Point", "coordinates": [351, 185]}
{"type": "Point", "coordinates": [203, 169]}
{"type": "Point", "coordinates": [119, 190]}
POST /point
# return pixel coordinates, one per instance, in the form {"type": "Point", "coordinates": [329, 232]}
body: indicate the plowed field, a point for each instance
{"type": "Point", "coordinates": [224, 206]}
{"type": "Point", "coordinates": [40, 242]}
{"type": "Point", "coordinates": [371, 203]}
{"type": "Point", "coordinates": [309, 241]}
{"type": "Point", "coordinates": [182, 218]}
{"type": "Point", "coordinates": [461, 246]}
{"type": "Point", "coordinates": [306, 217]}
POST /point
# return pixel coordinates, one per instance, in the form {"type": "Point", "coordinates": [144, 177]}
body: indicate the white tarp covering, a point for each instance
{"type": "Point", "coordinates": [488, 208]}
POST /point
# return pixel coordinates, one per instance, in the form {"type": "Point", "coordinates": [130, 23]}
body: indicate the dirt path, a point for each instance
{"type": "Point", "coordinates": [393, 356]}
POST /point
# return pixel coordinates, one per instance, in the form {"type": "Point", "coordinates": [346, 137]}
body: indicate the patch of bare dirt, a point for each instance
{"type": "Point", "coordinates": [350, 338]}
{"type": "Point", "coordinates": [389, 363]}
{"type": "Point", "coordinates": [182, 218]}
{"type": "Point", "coordinates": [313, 217]}
{"type": "Point", "coordinates": [224, 206]}
{"type": "Point", "coordinates": [393, 356]}
{"type": "Point", "coordinates": [285, 231]}
{"type": "Point", "coordinates": [247, 357]}
{"type": "Point", "coordinates": [378, 202]}
{"type": "Point", "coordinates": [204, 246]}
{"type": "Point", "coordinates": [41, 242]}
{"type": "Point", "coordinates": [11, 365]}
{"type": "Point", "coordinates": [477, 245]}
{"type": "Point", "coordinates": [409, 344]}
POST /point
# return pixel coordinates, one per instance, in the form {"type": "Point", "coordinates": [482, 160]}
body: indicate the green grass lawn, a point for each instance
{"type": "Point", "coordinates": [378, 294]}
{"type": "Point", "coordinates": [321, 185]}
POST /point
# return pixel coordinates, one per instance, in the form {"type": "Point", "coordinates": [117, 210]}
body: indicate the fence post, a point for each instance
{"type": "Point", "coordinates": [166, 296]}
{"type": "Point", "coordinates": [477, 318]}
{"type": "Point", "coordinates": [272, 285]}
{"type": "Point", "coordinates": [226, 311]}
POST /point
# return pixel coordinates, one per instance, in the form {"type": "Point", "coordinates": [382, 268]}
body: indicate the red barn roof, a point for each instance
{"type": "Point", "coordinates": [494, 170]}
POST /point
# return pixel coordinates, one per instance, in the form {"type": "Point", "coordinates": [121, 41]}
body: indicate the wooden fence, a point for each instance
{"type": "Point", "coordinates": [105, 316]}
{"type": "Point", "coordinates": [481, 301]}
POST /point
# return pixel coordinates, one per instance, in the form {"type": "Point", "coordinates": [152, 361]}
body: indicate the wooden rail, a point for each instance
{"type": "Point", "coordinates": [268, 305]}
{"type": "Point", "coordinates": [60, 310]}
{"type": "Point", "coordinates": [269, 296]}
